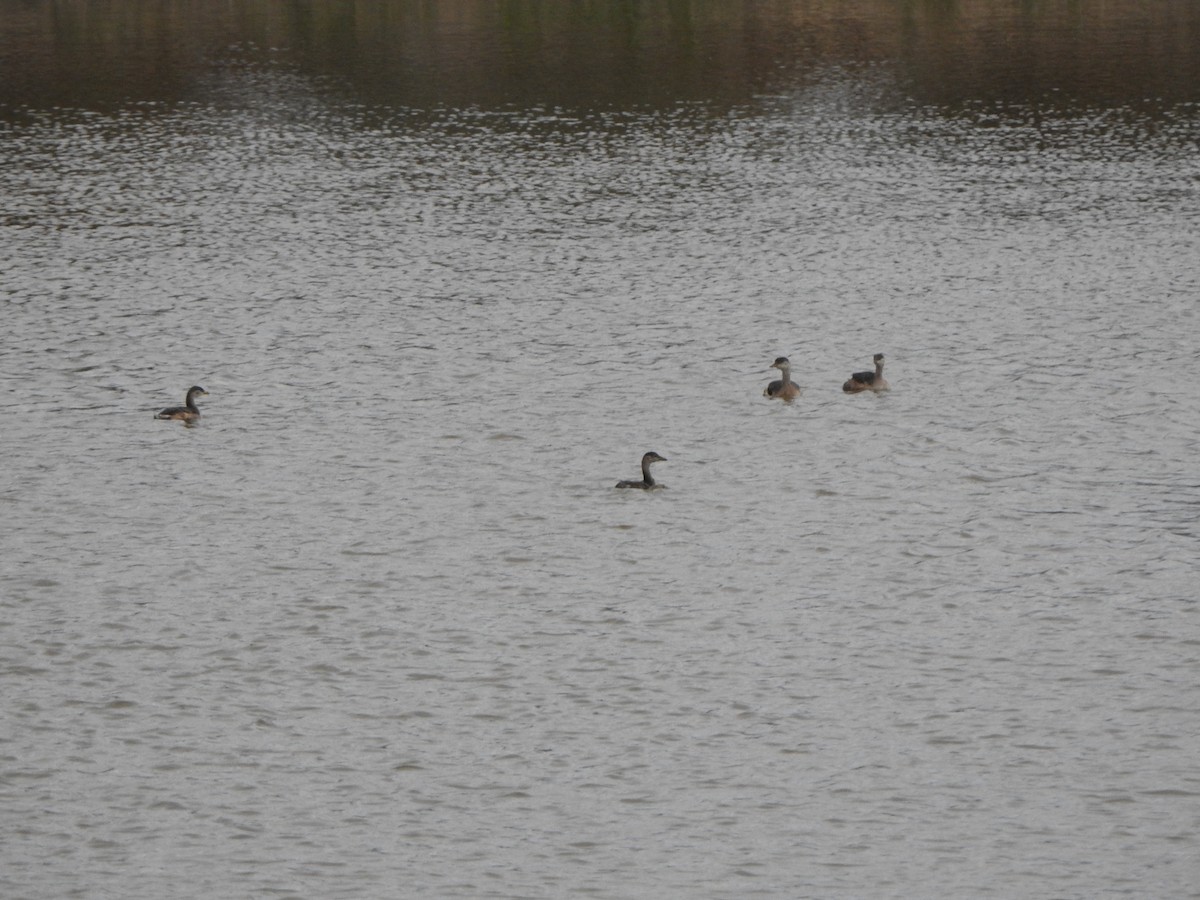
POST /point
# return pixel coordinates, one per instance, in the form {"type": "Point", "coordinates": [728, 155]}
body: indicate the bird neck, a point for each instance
{"type": "Point", "coordinates": [646, 476]}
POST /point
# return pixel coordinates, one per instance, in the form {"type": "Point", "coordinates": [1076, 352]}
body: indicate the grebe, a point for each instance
{"type": "Point", "coordinates": [784, 388]}
{"type": "Point", "coordinates": [188, 413]}
{"type": "Point", "coordinates": [867, 381]}
{"type": "Point", "coordinates": [647, 483]}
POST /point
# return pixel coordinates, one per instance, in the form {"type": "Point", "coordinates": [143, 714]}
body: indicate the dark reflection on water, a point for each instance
{"type": "Point", "coordinates": [606, 55]}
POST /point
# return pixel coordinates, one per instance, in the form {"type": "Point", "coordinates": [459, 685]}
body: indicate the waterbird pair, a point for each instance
{"type": "Point", "coordinates": [786, 389]}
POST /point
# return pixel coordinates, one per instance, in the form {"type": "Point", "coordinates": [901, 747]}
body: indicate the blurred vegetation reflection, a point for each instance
{"type": "Point", "coordinates": [605, 54]}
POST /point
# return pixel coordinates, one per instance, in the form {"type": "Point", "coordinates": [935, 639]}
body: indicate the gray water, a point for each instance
{"type": "Point", "coordinates": [379, 625]}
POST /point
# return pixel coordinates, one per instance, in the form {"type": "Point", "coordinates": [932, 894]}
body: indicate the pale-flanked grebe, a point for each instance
{"type": "Point", "coordinates": [784, 388]}
{"type": "Point", "coordinates": [867, 381]}
{"type": "Point", "coordinates": [647, 483]}
{"type": "Point", "coordinates": [188, 413]}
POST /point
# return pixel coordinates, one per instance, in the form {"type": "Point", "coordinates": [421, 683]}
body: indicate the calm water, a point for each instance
{"type": "Point", "coordinates": [379, 625]}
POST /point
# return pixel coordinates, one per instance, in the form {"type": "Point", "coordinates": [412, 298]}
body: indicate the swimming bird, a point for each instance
{"type": "Point", "coordinates": [188, 413]}
{"type": "Point", "coordinates": [647, 483]}
{"type": "Point", "coordinates": [867, 381]}
{"type": "Point", "coordinates": [784, 388]}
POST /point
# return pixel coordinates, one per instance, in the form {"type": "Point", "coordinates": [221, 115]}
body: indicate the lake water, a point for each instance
{"type": "Point", "coordinates": [379, 625]}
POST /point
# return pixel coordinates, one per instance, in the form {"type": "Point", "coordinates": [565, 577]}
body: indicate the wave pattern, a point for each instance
{"type": "Point", "coordinates": [380, 618]}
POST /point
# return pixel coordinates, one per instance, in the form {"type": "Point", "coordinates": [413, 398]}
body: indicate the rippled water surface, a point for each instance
{"type": "Point", "coordinates": [379, 625]}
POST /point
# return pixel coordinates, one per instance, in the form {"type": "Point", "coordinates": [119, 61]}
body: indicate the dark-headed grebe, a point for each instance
{"type": "Point", "coordinates": [867, 381]}
{"type": "Point", "coordinates": [784, 388]}
{"type": "Point", "coordinates": [647, 483]}
{"type": "Point", "coordinates": [188, 413]}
